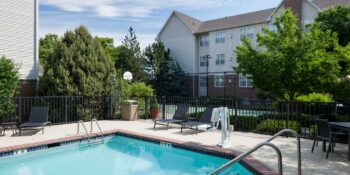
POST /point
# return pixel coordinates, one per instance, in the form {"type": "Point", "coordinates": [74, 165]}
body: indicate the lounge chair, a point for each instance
{"type": "Point", "coordinates": [38, 118]}
{"type": "Point", "coordinates": [179, 116]}
{"type": "Point", "coordinates": [205, 119]}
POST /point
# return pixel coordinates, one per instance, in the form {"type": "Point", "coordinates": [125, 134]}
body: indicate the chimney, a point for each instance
{"type": "Point", "coordinates": [295, 5]}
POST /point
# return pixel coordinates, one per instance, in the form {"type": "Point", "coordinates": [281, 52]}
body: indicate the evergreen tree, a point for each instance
{"type": "Point", "coordinates": [170, 80]}
{"type": "Point", "coordinates": [78, 66]}
{"type": "Point", "coordinates": [155, 55]}
{"type": "Point", "coordinates": [131, 53]}
{"type": "Point", "coordinates": [46, 47]}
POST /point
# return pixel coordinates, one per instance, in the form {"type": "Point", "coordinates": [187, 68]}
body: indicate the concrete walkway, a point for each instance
{"type": "Point", "coordinates": [314, 164]}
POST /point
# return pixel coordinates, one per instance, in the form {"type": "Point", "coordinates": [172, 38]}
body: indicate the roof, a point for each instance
{"type": "Point", "coordinates": [262, 16]}
{"type": "Point", "coordinates": [235, 21]}
{"type": "Point", "coordinates": [322, 4]}
{"type": "Point", "coordinates": [190, 22]}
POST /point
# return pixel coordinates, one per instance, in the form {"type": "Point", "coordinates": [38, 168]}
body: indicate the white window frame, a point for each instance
{"type": "Point", "coordinates": [247, 31]}
{"type": "Point", "coordinates": [220, 37]}
{"type": "Point", "coordinates": [245, 81]}
{"type": "Point", "coordinates": [217, 82]}
{"type": "Point", "coordinates": [220, 59]}
{"type": "Point", "coordinates": [203, 81]}
{"type": "Point", "coordinates": [204, 41]}
{"type": "Point", "coordinates": [203, 62]}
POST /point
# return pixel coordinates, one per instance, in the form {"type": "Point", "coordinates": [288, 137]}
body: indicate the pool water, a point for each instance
{"type": "Point", "coordinates": [119, 155]}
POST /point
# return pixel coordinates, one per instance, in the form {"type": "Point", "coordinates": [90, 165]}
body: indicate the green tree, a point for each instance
{"type": "Point", "coordinates": [156, 56]}
{"type": "Point", "coordinates": [78, 66]}
{"type": "Point", "coordinates": [131, 52]}
{"type": "Point", "coordinates": [46, 47]}
{"type": "Point", "coordinates": [125, 61]}
{"type": "Point", "coordinates": [170, 80]}
{"type": "Point", "coordinates": [290, 62]}
{"type": "Point", "coordinates": [9, 77]}
{"type": "Point", "coordinates": [108, 46]}
{"type": "Point", "coordinates": [336, 19]}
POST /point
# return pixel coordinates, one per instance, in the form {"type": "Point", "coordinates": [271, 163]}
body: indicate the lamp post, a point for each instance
{"type": "Point", "coordinates": [207, 57]}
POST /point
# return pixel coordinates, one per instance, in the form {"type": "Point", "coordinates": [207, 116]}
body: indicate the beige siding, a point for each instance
{"type": "Point", "coordinates": [308, 12]}
{"type": "Point", "coordinates": [181, 42]}
{"type": "Point", "coordinates": [17, 35]}
{"type": "Point", "coordinates": [232, 40]}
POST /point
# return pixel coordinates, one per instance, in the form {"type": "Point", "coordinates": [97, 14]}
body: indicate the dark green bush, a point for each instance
{"type": "Point", "coordinates": [273, 126]}
{"type": "Point", "coordinates": [244, 123]}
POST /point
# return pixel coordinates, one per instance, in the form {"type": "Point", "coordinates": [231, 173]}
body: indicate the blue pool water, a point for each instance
{"type": "Point", "coordinates": [119, 155]}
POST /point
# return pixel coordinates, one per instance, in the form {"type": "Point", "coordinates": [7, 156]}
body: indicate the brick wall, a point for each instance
{"type": "Point", "coordinates": [295, 5]}
{"type": "Point", "coordinates": [27, 87]}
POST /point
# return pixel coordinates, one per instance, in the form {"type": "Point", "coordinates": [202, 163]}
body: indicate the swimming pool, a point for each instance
{"type": "Point", "coordinates": [118, 155]}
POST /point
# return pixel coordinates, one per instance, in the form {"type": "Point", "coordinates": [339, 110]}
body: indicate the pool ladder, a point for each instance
{"type": "Point", "coordinates": [90, 141]}
{"type": "Point", "coordinates": [265, 143]}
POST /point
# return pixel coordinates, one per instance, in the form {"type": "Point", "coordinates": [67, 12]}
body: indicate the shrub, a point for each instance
{"type": "Point", "coordinates": [315, 97]}
{"type": "Point", "coordinates": [244, 123]}
{"type": "Point", "coordinates": [9, 77]}
{"type": "Point", "coordinates": [273, 126]}
{"type": "Point", "coordinates": [139, 89]}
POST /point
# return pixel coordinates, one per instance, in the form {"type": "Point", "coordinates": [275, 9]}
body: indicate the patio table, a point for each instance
{"type": "Point", "coordinates": [9, 125]}
{"type": "Point", "coordinates": [345, 126]}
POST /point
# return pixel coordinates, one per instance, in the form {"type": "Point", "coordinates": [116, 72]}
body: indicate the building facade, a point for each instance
{"type": "Point", "coordinates": [205, 49]}
{"type": "Point", "coordinates": [18, 40]}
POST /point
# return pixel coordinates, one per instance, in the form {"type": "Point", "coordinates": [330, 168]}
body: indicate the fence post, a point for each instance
{"type": "Point", "coordinates": [164, 99]}
{"type": "Point", "coordinates": [287, 119]}
{"type": "Point", "coordinates": [146, 108]}
{"type": "Point", "coordinates": [110, 107]}
{"type": "Point", "coordinates": [66, 108]}
{"type": "Point", "coordinates": [20, 108]}
{"type": "Point", "coordinates": [236, 106]}
{"type": "Point", "coordinates": [196, 106]}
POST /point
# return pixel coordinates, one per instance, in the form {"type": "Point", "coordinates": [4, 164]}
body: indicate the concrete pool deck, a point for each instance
{"type": "Point", "coordinates": [315, 163]}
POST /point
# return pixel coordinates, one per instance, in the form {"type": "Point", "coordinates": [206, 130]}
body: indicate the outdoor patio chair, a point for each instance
{"type": "Point", "coordinates": [179, 116]}
{"type": "Point", "coordinates": [205, 120]}
{"type": "Point", "coordinates": [324, 133]}
{"type": "Point", "coordinates": [38, 118]}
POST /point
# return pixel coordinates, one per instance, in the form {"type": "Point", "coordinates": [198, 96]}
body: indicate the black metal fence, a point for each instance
{"type": "Point", "coordinates": [262, 116]}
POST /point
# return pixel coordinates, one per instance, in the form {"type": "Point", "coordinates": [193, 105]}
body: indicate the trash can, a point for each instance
{"type": "Point", "coordinates": [130, 110]}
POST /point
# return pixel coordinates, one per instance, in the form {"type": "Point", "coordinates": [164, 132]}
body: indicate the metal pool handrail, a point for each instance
{"type": "Point", "coordinates": [87, 133]}
{"type": "Point", "coordinates": [95, 120]}
{"type": "Point", "coordinates": [267, 143]}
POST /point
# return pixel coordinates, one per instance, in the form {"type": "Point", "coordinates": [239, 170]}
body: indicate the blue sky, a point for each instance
{"type": "Point", "coordinates": [112, 18]}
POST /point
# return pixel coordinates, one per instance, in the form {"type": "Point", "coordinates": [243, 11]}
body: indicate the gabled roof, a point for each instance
{"type": "Point", "coordinates": [322, 4]}
{"type": "Point", "coordinates": [196, 26]}
{"type": "Point", "coordinates": [235, 21]}
{"type": "Point", "coordinates": [192, 23]}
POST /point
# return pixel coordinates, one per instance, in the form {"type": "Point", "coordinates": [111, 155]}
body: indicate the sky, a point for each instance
{"type": "Point", "coordinates": [112, 18]}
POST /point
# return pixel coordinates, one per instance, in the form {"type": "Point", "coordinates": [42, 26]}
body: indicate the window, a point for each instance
{"type": "Point", "coordinates": [245, 81]}
{"type": "Point", "coordinates": [219, 81]}
{"type": "Point", "coordinates": [203, 61]}
{"type": "Point", "coordinates": [203, 41]}
{"type": "Point", "coordinates": [220, 59]}
{"type": "Point", "coordinates": [247, 31]}
{"type": "Point", "coordinates": [203, 81]}
{"type": "Point", "coordinates": [220, 37]}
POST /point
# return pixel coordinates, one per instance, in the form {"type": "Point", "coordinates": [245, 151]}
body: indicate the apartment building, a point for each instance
{"type": "Point", "coordinates": [18, 40]}
{"type": "Point", "coordinates": [205, 49]}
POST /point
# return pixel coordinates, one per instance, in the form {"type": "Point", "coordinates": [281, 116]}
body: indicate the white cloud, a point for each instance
{"type": "Point", "coordinates": [126, 8]}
